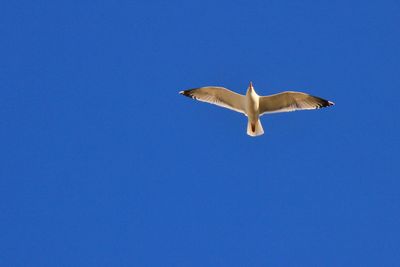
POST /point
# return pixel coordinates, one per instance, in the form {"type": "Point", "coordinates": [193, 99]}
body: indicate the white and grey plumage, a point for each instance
{"type": "Point", "coordinates": [253, 106]}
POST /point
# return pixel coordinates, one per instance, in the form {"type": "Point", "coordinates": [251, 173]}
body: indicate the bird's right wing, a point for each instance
{"type": "Point", "coordinates": [291, 101]}
{"type": "Point", "coordinates": [219, 96]}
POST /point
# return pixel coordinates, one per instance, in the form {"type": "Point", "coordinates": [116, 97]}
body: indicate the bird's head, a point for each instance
{"type": "Point", "coordinates": [250, 88]}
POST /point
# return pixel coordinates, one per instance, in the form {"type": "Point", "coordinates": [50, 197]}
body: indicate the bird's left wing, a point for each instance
{"type": "Point", "coordinates": [291, 101]}
{"type": "Point", "coordinates": [219, 96]}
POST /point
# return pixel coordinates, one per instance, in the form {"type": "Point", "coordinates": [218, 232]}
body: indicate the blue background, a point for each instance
{"type": "Point", "coordinates": [104, 164]}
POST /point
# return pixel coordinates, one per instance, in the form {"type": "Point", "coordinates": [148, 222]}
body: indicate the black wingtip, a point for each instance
{"type": "Point", "coordinates": [323, 103]}
{"type": "Point", "coordinates": [327, 104]}
{"type": "Point", "coordinates": [187, 93]}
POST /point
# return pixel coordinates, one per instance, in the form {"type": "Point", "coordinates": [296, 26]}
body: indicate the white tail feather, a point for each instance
{"type": "Point", "coordinates": [255, 129]}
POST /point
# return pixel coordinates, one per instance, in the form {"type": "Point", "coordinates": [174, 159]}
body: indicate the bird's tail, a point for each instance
{"type": "Point", "coordinates": [254, 129]}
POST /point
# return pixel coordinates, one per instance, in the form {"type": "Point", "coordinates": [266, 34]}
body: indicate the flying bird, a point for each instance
{"type": "Point", "coordinates": [253, 106]}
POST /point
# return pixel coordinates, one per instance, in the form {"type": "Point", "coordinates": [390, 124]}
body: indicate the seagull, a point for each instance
{"type": "Point", "coordinates": [253, 106]}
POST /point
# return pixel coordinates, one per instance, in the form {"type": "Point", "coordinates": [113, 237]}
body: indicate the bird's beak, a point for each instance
{"type": "Point", "coordinates": [251, 85]}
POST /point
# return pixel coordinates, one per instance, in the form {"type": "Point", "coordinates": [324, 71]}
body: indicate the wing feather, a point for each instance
{"type": "Point", "coordinates": [291, 101]}
{"type": "Point", "coordinates": [219, 96]}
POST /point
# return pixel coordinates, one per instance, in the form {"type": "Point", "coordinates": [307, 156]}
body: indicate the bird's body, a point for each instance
{"type": "Point", "coordinates": [254, 126]}
{"type": "Point", "coordinates": [253, 106]}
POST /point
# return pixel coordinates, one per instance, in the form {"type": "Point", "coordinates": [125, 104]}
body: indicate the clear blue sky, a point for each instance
{"type": "Point", "coordinates": [104, 164]}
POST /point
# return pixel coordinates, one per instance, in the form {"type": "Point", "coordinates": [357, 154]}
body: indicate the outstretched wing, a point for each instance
{"type": "Point", "coordinates": [291, 101]}
{"type": "Point", "coordinates": [219, 96]}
